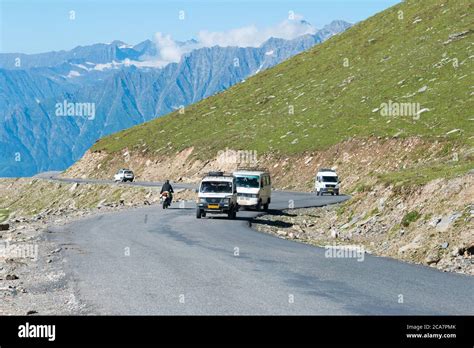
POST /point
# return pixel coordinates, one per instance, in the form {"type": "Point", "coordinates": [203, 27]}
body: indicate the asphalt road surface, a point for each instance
{"type": "Point", "coordinates": [152, 261]}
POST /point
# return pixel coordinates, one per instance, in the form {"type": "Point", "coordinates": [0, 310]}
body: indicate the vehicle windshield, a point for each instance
{"type": "Point", "coordinates": [329, 178]}
{"type": "Point", "coordinates": [248, 181]}
{"type": "Point", "coordinates": [216, 187]}
{"type": "Point", "coordinates": [128, 172]}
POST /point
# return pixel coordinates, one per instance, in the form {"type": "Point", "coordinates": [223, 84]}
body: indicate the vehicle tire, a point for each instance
{"type": "Point", "coordinates": [259, 206]}
{"type": "Point", "coordinates": [165, 205]}
{"type": "Point", "coordinates": [203, 214]}
{"type": "Point", "coordinates": [332, 193]}
{"type": "Point", "coordinates": [198, 213]}
{"type": "Point", "coordinates": [318, 193]}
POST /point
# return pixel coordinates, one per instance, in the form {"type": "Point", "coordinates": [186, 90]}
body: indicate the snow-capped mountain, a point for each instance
{"type": "Point", "coordinates": [126, 85]}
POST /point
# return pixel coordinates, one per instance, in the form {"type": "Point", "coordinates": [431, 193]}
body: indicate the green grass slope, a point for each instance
{"type": "Point", "coordinates": [419, 51]}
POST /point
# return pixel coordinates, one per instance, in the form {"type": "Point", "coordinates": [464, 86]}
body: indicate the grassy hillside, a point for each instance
{"type": "Point", "coordinates": [415, 52]}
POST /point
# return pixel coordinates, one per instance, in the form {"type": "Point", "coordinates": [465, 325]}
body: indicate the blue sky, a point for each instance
{"type": "Point", "coordinates": [32, 26]}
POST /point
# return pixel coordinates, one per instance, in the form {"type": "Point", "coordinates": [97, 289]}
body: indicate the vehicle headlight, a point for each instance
{"type": "Point", "coordinates": [202, 200]}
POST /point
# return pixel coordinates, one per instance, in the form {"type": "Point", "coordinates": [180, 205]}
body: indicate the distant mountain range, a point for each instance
{"type": "Point", "coordinates": [122, 83]}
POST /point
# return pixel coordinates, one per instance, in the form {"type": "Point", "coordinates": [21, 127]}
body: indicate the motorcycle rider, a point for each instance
{"type": "Point", "coordinates": [167, 187]}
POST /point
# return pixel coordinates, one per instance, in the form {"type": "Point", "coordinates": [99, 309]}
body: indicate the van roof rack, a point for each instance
{"type": "Point", "coordinates": [218, 173]}
{"type": "Point", "coordinates": [326, 170]}
{"type": "Point", "coordinates": [215, 173]}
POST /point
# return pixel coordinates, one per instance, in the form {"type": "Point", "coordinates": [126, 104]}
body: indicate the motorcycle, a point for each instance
{"type": "Point", "coordinates": [166, 199]}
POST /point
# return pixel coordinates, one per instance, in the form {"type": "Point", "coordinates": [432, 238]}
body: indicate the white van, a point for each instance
{"type": "Point", "coordinates": [326, 181]}
{"type": "Point", "coordinates": [254, 188]}
{"type": "Point", "coordinates": [217, 194]}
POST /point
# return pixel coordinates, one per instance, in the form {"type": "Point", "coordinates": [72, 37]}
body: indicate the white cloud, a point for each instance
{"type": "Point", "coordinates": [170, 51]}
{"type": "Point", "coordinates": [251, 36]}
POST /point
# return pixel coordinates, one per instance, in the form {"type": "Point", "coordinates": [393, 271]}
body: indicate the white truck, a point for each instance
{"type": "Point", "coordinates": [217, 194]}
{"type": "Point", "coordinates": [327, 181]}
{"type": "Point", "coordinates": [254, 188]}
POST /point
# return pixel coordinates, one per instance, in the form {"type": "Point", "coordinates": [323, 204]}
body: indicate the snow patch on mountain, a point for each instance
{"type": "Point", "coordinates": [73, 73]}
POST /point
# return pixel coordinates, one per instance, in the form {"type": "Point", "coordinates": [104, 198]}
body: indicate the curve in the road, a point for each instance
{"type": "Point", "coordinates": [154, 261]}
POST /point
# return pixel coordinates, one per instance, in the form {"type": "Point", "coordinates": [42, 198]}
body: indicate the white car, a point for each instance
{"type": "Point", "coordinates": [327, 181]}
{"type": "Point", "coordinates": [254, 188]}
{"type": "Point", "coordinates": [124, 175]}
{"type": "Point", "coordinates": [217, 194]}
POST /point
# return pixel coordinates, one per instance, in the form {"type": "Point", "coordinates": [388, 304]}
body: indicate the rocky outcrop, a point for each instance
{"type": "Point", "coordinates": [354, 159]}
